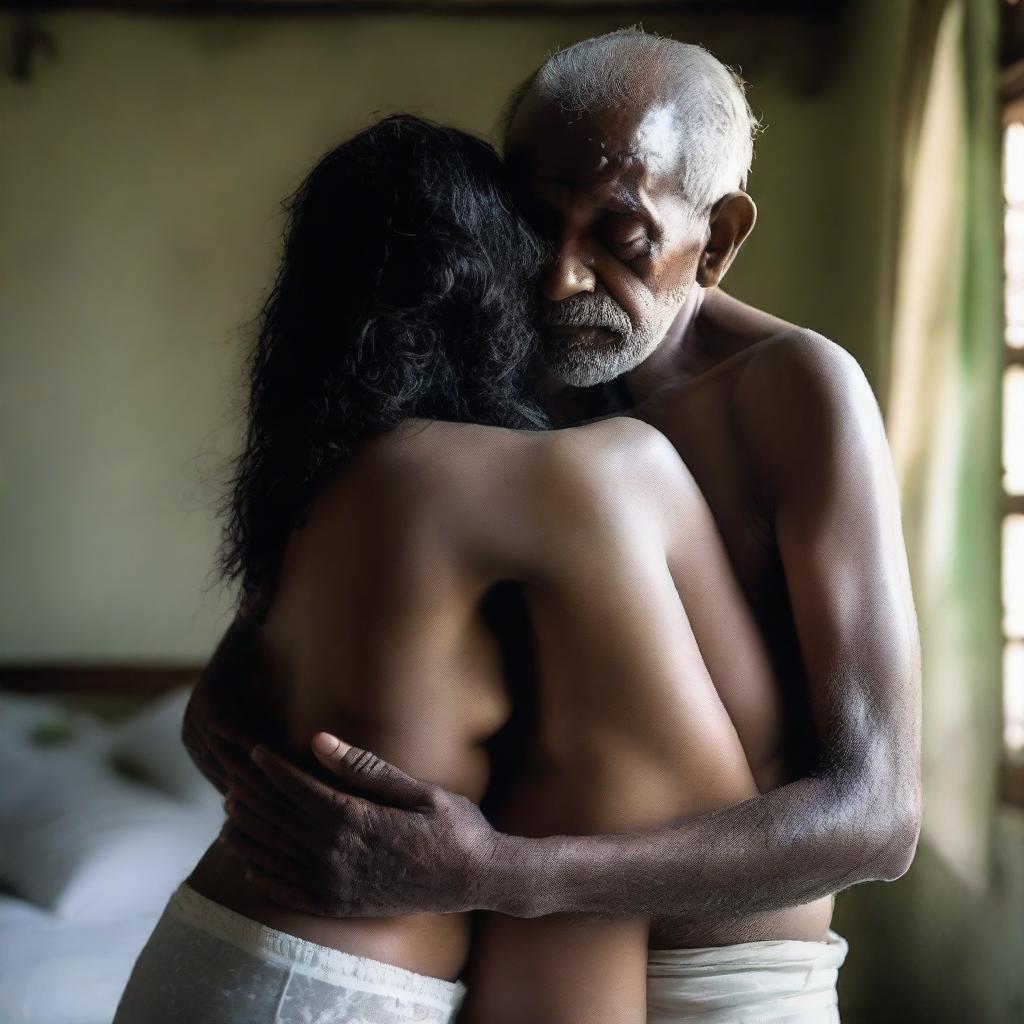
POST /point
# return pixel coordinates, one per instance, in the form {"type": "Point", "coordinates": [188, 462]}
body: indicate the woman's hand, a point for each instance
{"type": "Point", "coordinates": [401, 847]}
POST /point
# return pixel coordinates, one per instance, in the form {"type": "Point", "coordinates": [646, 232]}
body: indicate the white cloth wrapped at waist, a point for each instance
{"type": "Point", "coordinates": [205, 964]}
{"type": "Point", "coordinates": [772, 982]}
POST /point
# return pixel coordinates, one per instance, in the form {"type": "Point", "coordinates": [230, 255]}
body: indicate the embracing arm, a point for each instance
{"type": "Point", "coordinates": [822, 450]}
{"type": "Point", "coordinates": [837, 526]}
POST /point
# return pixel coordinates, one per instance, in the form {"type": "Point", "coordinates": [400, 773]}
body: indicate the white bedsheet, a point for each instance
{"type": "Point", "coordinates": [55, 971]}
{"type": "Point", "coordinates": [88, 857]}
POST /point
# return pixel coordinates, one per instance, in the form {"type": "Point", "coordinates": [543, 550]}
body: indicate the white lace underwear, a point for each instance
{"type": "Point", "coordinates": [205, 964]}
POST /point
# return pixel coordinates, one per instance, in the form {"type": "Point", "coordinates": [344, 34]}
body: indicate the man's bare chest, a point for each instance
{"type": "Point", "coordinates": [702, 429]}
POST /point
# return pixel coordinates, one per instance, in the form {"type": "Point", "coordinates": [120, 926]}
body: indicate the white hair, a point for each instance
{"type": "Point", "coordinates": [715, 123]}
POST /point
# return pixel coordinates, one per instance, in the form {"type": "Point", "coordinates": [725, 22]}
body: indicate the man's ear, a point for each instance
{"type": "Point", "coordinates": [732, 219]}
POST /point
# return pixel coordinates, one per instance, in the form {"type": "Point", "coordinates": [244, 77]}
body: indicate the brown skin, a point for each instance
{"type": "Point", "coordinates": [375, 628]}
{"type": "Point", "coordinates": [782, 434]}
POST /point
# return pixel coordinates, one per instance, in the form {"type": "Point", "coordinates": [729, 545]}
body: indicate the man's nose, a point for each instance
{"type": "Point", "coordinates": [569, 274]}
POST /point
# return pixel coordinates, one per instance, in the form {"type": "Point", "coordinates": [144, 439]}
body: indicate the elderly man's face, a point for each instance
{"type": "Point", "coordinates": [604, 189]}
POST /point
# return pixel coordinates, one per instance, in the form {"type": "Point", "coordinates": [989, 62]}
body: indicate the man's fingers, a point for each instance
{"type": "Point", "coordinates": [266, 833]}
{"type": "Point", "coordinates": [249, 851]}
{"type": "Point", "coordinates": [211, 768]}
{"type": "Point", "coordinates": [265, 804]}
{"type": "Point", "coordinates": [224, 731]}
{"type": "Point", "coordinates": [300, 787]}
{"type": "Point", "coordinates": [369, 774]}
{"type": "Point", "coordinates": [260, 796]}
{"type": "Point", "coordinates": [230, 754]}
{"type": "Point", "coordinates": [238, 768]}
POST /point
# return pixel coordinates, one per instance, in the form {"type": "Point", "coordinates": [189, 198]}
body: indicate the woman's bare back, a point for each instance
{"type": "Point", "coordinates": [377, 633]}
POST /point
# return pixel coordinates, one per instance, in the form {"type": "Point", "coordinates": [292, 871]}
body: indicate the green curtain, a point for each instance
{"type": "Point", "coordinates": [945, 943]}
{"type": "Point", "coordinates": [943, 404]}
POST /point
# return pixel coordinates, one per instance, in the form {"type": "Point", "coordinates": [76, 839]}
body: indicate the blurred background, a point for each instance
{"type": "Point", "coordinates": [144, 152]}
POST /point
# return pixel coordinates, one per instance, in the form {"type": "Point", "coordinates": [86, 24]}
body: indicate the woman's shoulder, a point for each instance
{"type": "Point", "coordinates": [437, 472]}
{"type": "Point", "coordinates": [613, 437]}
{"type": "Point", "coordinates": [438, 455]}
{"type": "Point", "coordinates": [417, 449]}
{"type": "Point", "coordinates": [519, 499]}
{"type": "Point", "coordinates": [618, 453]}
{"type": "Point", "coordinates": [465, 473]}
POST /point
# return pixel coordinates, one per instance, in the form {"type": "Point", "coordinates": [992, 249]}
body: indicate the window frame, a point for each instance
{"type": "Point", "coordinates": [1012, 768]}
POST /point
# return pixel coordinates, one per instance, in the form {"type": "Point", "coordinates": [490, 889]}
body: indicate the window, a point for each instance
{"type": "Point", "coordinates": [1013, 463]}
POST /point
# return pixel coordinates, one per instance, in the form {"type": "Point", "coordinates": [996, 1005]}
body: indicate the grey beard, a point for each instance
{"type": "Point", "coordinates": [584, 365]}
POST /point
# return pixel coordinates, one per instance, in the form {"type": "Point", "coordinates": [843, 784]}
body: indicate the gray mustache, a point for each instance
{"type": "Point", "coordinates": [591, 309]}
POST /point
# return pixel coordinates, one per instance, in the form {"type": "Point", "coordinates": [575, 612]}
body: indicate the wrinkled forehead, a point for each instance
{"type": "Point", "coordinates": [637, 143]}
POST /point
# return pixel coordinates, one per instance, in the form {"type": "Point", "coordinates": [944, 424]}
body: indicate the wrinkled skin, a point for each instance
{"type": "Point", "coordinates": [301, 812]}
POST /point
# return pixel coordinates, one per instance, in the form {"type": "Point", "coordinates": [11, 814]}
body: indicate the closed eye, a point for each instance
{"type": "Point", "coordinates": [625, 235]}
{"type": "Point", "coordinates": [635, 249]}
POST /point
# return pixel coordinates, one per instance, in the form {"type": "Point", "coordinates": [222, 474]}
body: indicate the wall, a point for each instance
{"type": "Point", "coordinates": [141, 170]}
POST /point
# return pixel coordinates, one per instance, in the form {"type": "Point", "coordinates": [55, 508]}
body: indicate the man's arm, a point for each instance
{"type": "Point", "coordinates": [826, 465]}
{"type": "Point", "coordinates": [828, 471]}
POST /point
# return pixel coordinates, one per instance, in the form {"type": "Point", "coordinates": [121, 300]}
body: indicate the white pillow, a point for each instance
{"type": "Point", "coordinates": [90, 846]}
{"type": "Point", "coordinates": [43, 724]}
{"type": "Point", "coordinates": [77, 839]}
{"type": "Point", "coordinates": [41, 745]}
{"type": "Point", "coordinates": [148, 746]}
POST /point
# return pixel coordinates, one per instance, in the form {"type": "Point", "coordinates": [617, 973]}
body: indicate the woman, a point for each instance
{"type": "Point", "coordinates": [395, 480]}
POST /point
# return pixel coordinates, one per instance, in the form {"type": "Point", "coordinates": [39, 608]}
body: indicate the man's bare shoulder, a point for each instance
{"type": "Point", "coordinates": [800, 378]}
{"type": "Point", "coordinates": [804, 408]}
{"type": "Point", "coordinates": [736, 326]}
{"type": "Point", "coordinates": [759, 344]}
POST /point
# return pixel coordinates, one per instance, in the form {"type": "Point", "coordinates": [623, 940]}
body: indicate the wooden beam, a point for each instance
{"type": "Point", "coordinates": [814, 9]}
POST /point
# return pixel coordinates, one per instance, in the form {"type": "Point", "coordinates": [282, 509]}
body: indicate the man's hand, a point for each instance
{"type": "Point", "coordinates": [205, 737]}
{"type": "Point", "coordinates": [213, 724]}
{"type": "Point", "coordinates": [409, 848]}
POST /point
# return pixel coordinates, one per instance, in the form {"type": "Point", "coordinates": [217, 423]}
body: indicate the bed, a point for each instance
{"type": "Point", "coordinates": [99, 821]}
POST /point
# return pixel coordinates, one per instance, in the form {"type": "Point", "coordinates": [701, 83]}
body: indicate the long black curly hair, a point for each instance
{"type": "Point", "coordinates": [404, 291]}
